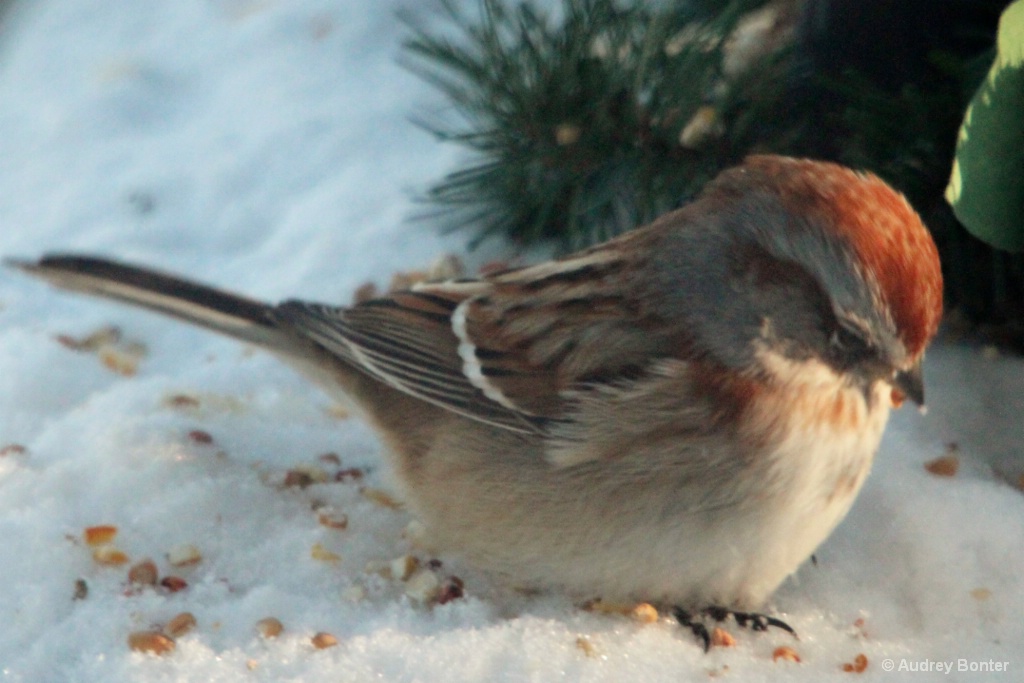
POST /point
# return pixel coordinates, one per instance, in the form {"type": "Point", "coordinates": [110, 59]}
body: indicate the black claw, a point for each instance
{"type": "Point", "coordinates": [779, 623]}
{"type": "Point", "coordinates": [751, 620]}
{"type": "Point", "coordinates": [697, 628]}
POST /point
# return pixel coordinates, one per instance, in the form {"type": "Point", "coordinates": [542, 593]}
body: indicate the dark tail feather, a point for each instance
{"type": "Point", "coordinates": [214, 309]}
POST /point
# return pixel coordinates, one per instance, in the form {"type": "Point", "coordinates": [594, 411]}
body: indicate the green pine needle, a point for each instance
{"type": "Point", "coordinates": [573, 124]}
{"type": "Point", "coordinates": [591, 117]}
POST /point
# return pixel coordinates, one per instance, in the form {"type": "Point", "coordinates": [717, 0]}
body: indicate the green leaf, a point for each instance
{"type": "Point", "coordinates": [986, 188]}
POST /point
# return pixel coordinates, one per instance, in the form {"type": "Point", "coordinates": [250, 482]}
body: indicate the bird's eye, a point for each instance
{"type": "Point", "coordinates": [850, 341]}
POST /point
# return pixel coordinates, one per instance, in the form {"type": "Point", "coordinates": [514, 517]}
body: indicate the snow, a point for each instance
{"type": "Point", "coordinates": [266, 146]}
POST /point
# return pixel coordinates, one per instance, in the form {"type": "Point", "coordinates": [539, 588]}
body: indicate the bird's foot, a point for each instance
{"type": "Point", "coordinates": [752, 620]}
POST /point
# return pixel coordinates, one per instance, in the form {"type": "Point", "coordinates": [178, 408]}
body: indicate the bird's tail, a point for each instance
{"type": "Point", "coordinates": [214, 309]}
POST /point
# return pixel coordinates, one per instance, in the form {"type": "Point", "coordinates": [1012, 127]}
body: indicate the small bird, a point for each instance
{"type": "Point", "coordinates": [679, 415]}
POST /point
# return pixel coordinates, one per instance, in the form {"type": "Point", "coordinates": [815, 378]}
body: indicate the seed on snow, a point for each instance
{"type": "Point", "coordinates": [180, 625]}
{"type": "Point", "coordinates": [403, 567]}
{"type": "Point", "coordinates": [151, 642]}
{"type": "Point", "coordinates": [423, 586]}
{"type": "Point", "coordinates": [173, 584]}
{"type": "Point", "coordinates": [722, 638]}
{"type": "Point", "coordinates": [109, 556]}
{"type": "Point", "coordinates": [331, 518]}
{"type": "Point", "coordinates": [99, 535]}
{"type": "Point", "coordinates": [184, 555]}
{"type": "Point", "coordinates": [269, 627]}
{"type": "Point", "coordinates": [143, 573]}
{"type": "Point", "coordinates": [322, 641]}
{"type": "Point", "coordinates": [786, 653]}
{"type": "Point", "coordinates": [322, 554]}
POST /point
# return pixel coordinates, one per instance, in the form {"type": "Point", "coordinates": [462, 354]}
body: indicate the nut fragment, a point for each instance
{"type": "Point", "coordinates": [785, 653]}
{"type": "Point", "coordinates": [330, 459]}
{"type": "Point", "coordinates": [180, 625]}
{"type": "Point", "coordinates": [269, 627]}
{"type": "Point", "coordinates": [322, 641]}
{"type": "Point", "coordinates": [104, 336]}
{"type": "Point", "coordinates": [12, 449]}
{"type": "Point", "coordinates": [143, 573]}
{"type": "Point", "coordinates": [109, 556]}
{"type": "Point", "coordinates": [123, 360]}
{"type": "Point", "coordinates": [943, 466]}
{"type": "Point", "coordinates": [151, 642]}
{"type": "Point", "coordinates": [585, 645]}
{"type": "Point", "coordinates": [860, 629]}
{"type": "Point", "coordinates": [322, 554]}
{"type": "Point", "coordinates": [331, 518]}
{"type": "Point", "coordinates": [859, 664]}
{"type": "Point", "coordinates": [99, 535]}
{"type": "Point", "coordinates": [403, 567]}
{"type": "Point", "coordinates": [184, 555]}
{"type": "Point", "coordinates": [644, 613]}
{"type": "Point", "coordinates": [303, 476]}
{"type": "Point", "coordinates": [200, 436]}
{"type": "Point", "coordinates": [722, 638]}
{"type": "Point", "coordinates": [181, 401]}
{"type": "Point", "coordinates": [121, 356]}
{"type": "Point", "coordinates": [381, 498]}
{"type": "Point", "coordinates": [173, 584]}
{"type": "Point", "coordinates": [423, 586]}
{"type": "Point", "coordinates": [349, 473]}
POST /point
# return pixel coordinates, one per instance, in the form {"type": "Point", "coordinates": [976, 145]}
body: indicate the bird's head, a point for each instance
{"type": "Point", "coordinates": [805, 262]}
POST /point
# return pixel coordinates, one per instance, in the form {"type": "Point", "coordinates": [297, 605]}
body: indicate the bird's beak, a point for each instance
{"type": "Point", "coordinates": [910, 383]}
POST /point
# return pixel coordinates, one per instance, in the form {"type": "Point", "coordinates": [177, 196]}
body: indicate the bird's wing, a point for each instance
{"type": "Point", "coordinates": [404, 340]}
{"type": "Point", "coordinates": [505, 350]}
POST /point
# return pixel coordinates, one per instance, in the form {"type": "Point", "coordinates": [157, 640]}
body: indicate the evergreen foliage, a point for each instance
{"type": "Point", "coordinates": [592, 117]}
{"type": "Point", "coordinates": [574, 124]}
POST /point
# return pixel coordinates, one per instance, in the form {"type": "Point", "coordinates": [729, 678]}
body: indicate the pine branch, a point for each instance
{"type": "Point", "coordinates": [573, 125]}
{"type": "Point", "coordinates": [586, 120]}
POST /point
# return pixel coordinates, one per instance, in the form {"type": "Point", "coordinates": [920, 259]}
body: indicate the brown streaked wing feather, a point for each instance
{"type": "Point", "coordinates": [543, 329]}
{"type": "Point", "coordinates": [505, 349]}
{"type": "Point", "coordinates": [404, 340]}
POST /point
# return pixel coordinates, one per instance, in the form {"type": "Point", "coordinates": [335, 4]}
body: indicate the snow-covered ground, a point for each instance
{"type": "Point", "coordinates": [265, 145]}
